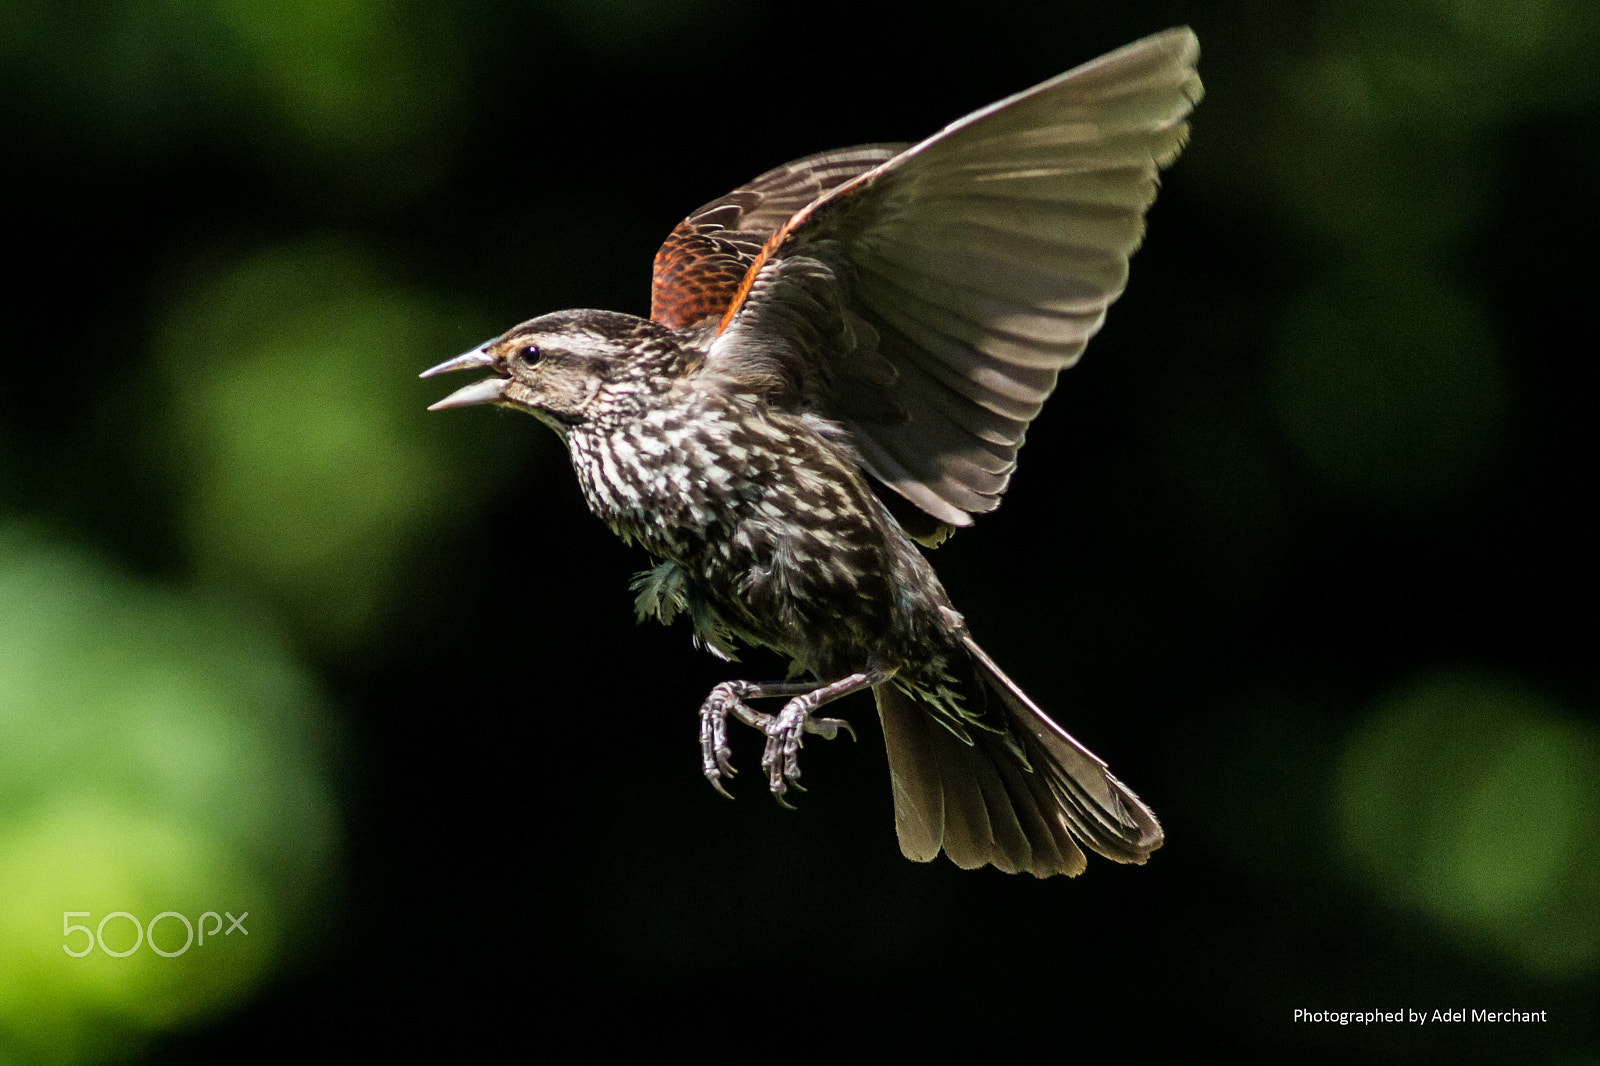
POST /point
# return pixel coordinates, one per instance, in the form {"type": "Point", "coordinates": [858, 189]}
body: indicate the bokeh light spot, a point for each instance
{"type": "Point", "coordinates": [309, 463]}
{"type": "Point", "coordinates": [158, 752]}
{"type": "Point", "coordinates": [1472, 799]}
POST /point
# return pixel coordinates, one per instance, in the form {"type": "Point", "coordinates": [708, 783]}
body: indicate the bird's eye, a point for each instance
{"type": "Point", "coordinates": [530, 354]}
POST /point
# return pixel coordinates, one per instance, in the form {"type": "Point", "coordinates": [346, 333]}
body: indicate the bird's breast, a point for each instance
{"type": "Point", "coordinates": [768, 516]}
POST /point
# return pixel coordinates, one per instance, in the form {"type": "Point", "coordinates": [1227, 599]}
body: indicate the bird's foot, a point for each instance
{"type": "Point", "coordinates": [715, 755]}
{"type": "Point", "coordinates": [784, 730]}
{"type": "Point", "coordinates": [785, 733]}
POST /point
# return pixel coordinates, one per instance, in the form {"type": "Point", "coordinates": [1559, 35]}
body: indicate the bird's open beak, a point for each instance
{"type": "Point", "coordinates": [479, 392]}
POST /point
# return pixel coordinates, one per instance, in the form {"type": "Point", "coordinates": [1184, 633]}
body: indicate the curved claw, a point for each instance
{"type": "Point", "coordinates": [715, 755]}
{"type": "Point", "coordinates": [785, 730]}
{"type": "Point", "coordinates": [785, 734]}
{"type": "Point", "coordinates": [828, 728]}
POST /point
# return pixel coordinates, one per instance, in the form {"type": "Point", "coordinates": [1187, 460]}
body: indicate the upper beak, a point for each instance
{"type": "Point", "coordinates": [487, 390]}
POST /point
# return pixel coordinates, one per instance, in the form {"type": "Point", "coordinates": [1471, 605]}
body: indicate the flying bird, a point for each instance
{"type": "Point", "coordinates": [841, 360]}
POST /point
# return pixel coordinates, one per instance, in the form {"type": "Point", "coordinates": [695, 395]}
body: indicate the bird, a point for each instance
{"type": "Point", "coordinates": [840, 363]}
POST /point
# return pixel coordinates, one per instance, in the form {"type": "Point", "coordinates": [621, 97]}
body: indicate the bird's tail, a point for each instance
{"type": "Point", "coordinates": [1021, 797]}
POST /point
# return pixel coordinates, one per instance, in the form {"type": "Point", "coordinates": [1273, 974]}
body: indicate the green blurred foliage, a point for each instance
{"type": "Point", "coordinates": [1471, 798]}
{"type": "Point", "coordinates": [303, 468]}
{"type": "Point", "coordinates": [1374, 126]}
{"type": "Point", "coordinates": [357, 93]}
{"type": "Point", "coordinates": [158, 751]}
{"type": "Point", "coordinates": [1376, 140]}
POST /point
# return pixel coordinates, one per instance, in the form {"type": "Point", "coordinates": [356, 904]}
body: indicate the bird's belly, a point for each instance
{"type": "Point", "coordinates": [810, 592]}
{"type": "Point", "coordinates": [779, 532]}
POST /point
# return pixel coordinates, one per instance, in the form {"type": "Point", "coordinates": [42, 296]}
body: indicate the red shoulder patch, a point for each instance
{"type": "Point", "coordinates": [695, 277]}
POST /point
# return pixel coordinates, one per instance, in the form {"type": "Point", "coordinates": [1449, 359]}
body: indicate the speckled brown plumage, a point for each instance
{"type": "Point", "coordinates": [844, 356]}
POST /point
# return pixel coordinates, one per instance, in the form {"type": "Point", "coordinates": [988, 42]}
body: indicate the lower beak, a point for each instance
{"type": "Point", "coordinates": [486, 391]}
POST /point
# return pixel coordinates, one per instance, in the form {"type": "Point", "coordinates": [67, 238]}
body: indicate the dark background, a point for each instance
{"type": "Point", "coordinates": [1297, 548]}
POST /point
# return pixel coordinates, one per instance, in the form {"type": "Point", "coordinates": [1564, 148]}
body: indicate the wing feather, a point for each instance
{"type": "Point", "coordinates": [1016, 335]}
{"type": "Point", "coordinates": [700, 267]}
{"type": "Point", "coordinates": [979, 262]}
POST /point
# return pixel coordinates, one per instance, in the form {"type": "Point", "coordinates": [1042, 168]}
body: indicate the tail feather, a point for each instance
{"type": "Point", "coordinates": [913, 773]}
{"type": "Point", "coordinates": [971, 817]}
{"type": "Point", "coordinates": [984, 805]}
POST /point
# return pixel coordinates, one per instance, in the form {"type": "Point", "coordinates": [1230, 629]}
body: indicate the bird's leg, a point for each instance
{"type": "Point", "coordinates": [729, 697]}
{"type": "Point", "coordinates": [786, 730]}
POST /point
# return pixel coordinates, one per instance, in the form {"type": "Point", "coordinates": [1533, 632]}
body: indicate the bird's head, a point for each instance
{"type": "Point", "coordinates": [571, 368]}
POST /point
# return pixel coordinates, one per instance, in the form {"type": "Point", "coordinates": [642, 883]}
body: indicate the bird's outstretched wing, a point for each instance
{"type": "Point", "coordinates": [706, 256]}
{"type": "Point", "coordinates": [929, 303]}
